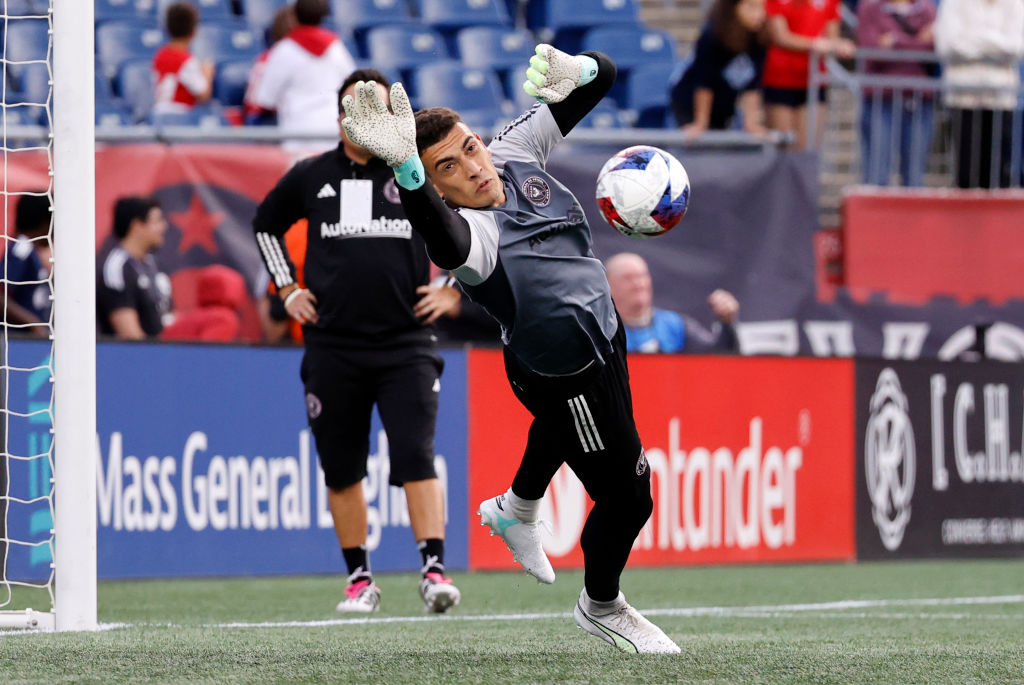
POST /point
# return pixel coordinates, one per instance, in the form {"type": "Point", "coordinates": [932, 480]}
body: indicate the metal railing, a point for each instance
{"type": "Point", "coordinates": [916, 130]}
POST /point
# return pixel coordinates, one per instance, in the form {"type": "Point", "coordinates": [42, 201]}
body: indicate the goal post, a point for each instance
{"type": "Point", "coordinates": [74, 340]}
{"type": "Point", "coordinates": [48, 473]}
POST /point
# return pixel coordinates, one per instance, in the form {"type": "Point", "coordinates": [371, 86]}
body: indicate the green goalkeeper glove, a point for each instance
{"type": "Point", "coordinates": [391, 137]}
{"type": "Point", "coordinates": [554, 74]}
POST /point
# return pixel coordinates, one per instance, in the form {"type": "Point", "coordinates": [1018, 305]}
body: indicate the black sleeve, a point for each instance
{"type": "Point", "coordinates": [722, 337]}
{"type": "Point", "coordinates": [446, 233]}
{"type": "Point", "coordinates": [572, 109]}
{"type": "Point", "coordinates": [706, 68]}
{"type": "Point", "coordinates": [281, 208]}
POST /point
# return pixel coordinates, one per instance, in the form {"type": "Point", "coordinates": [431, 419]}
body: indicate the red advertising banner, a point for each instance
{"type": "Point", "coordinates": [751, 458]}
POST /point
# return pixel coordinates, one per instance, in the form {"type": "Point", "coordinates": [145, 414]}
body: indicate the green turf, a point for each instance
{"type": "Point", "coordinates": [173, 633]}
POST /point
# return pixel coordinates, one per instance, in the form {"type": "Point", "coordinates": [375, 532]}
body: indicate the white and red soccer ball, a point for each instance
{"type": "Point", "coordinates": [643, 191]}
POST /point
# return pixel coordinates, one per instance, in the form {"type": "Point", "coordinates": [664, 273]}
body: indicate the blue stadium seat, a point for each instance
{"type": "Point", "coordinates": [230, 82]}
{"type": "Point", "coordinates": [403, 47]}
{"type": "Point", "coordinates": [123, 10]}
{"type": "Point", "coordinates": [219, 42]}
{"type": "Point", "coordinates": [136, 83]}
{"type": "Point", "coordinates": [30, 84]}
{"type": "Point", "coordinates": [450, 84]}
{"type": "Point", "coordinates": [358, 17]}
{"type": "Point", "coordinates": [631, 46]}
{"type": "Point", "coordinates": [604, 115]}
{"type": "Point", "coordinates": [260, 13]}
{"type": "Point", "coordinates": [450, 15]}
{"type": "Point", "coordinates": [26, 8]}
{"type": "Point", "coordinates": [112, 114]}
{"type": "Point", "coordinates": [26, 40]}
{"type": "Point", "coordinates": [209, 10]}
{"type": "Point", "coordinates": [507, 51]}
{"type": "Point", "coordinates": [120, 41]}
{"type": "Point", "coordinates": [647, 94]}
{"type": "Point", "coordinates": [201, 115]}
{"type": "Point", "coordinates": [562, 22]}
{"type": "Point", "coordinates": [104, 92]}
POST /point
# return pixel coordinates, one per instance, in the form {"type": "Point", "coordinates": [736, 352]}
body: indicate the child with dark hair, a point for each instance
{"type": "Point", "coordinates": [182, 81]}
{"type": "Point", "coordinates": [726, 69]}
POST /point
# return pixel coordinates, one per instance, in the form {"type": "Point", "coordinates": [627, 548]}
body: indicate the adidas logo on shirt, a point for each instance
{"type": "Point", "coordinates": [326, 191]}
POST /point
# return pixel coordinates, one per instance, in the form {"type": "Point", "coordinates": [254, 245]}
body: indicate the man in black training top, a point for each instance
{"type": "Point", "coordinates": [519, 243]}
{"type": "Point", "coordinates": [365, 319]}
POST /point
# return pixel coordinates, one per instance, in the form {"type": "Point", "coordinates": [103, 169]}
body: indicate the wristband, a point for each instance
{"type": "Point", "coordinates": [588, 69]}
{"type": "Point", "coordinates": [410, 174]}
{"type": "Point", "coordinates": [291, 296]}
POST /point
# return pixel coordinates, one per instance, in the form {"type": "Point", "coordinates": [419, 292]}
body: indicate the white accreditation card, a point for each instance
{"type": "Point", "coordinates": [356, 206]}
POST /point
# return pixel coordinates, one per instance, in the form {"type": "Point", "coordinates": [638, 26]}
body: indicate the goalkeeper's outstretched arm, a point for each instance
{"type": "Point", "coordinates": [584, 98]}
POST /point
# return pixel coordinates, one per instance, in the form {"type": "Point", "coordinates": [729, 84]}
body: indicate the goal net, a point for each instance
{"type": "Point", "coordinates": [47, 336]}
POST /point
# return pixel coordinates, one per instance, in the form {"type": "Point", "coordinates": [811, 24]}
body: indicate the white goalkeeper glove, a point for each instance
{"type": "Point", "coordinates": [554, 74]}
{"type": "Point", "coordinates": [391, 137]}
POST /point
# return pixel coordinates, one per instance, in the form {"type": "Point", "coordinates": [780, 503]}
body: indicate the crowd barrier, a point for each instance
{"type": "Point", "coordinates": [206, 466]}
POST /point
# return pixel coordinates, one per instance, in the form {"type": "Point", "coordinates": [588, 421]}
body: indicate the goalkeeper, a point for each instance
{"type": "Point", "coordinates": [519, 243]}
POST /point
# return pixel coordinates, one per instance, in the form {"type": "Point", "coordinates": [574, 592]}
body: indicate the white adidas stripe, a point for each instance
{"type": "Point", "coordinates": [590, 438]}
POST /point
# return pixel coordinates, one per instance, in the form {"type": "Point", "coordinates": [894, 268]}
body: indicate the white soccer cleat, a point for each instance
{"type": "Point", "coordinates": [523, 539]}
{"type": "Point", "coordinates": [361, 597]}
{"type": "Point", "coordinates": [624, 628]}
{"type": "Point", "coordinates": [438, 592]}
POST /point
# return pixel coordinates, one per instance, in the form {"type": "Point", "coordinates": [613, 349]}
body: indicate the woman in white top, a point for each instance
{"type": "Point", "coordinates": [982, 43]}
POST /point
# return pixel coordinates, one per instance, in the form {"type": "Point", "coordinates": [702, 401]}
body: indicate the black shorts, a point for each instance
{"type": "Point", "coordinates": [586, 420]}
{"type": "Point", "coordinates": [791, 97]}
{"type": "Point", "coordinates": [342, 385]}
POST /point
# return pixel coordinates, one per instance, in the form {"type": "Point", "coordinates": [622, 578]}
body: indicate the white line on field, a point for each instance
{"type": "Point", "coordinates": [779, 610]}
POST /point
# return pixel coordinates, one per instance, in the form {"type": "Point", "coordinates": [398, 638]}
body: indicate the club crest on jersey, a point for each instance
{"type": "Point", "coordinates": [313, 405]}
{"type": "Point", "coordinates": [537, 191]}
{"type": "Point", "coordinates": [391, 192]}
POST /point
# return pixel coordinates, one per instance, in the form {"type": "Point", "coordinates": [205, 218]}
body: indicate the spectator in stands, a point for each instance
{"type": "Point", "coordinates": [727, 65]}
{"type": "Point", "coordinates": [182, 81]}
{"type": "Point", "coordinates": [220, 291]}
{"type": "Point", "coordinates": [797, 28]}
{"type": "Point", "coordinates": [982, 42]}
{"type": "Point", "coordinates": [280, 27]}
{"type": "Point", "coordinates": [649, 329]}
{"type": "Point", "coordinates": [302, 76]}
{"type": "Point", "coordinates": [27, 267]}
{"type": "Point", "coordinates": [133, 298]}
{"type": "Point", "coordinates": [907, 115]}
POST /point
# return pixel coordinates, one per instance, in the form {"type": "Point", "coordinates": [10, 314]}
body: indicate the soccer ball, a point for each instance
{"type": "Point", "coordinates": [643, 191]}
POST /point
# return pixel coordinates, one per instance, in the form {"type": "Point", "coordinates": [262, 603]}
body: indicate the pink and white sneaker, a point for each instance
{"type": "Point", "coordinates": [361, 596]}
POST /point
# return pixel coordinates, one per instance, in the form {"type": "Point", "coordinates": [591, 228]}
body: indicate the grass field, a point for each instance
{"type": "Point", "coordinates": [951, 622]}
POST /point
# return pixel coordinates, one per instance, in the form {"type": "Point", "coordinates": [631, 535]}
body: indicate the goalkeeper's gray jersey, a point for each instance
{"type": "Point", "coordinates": [530, 261]}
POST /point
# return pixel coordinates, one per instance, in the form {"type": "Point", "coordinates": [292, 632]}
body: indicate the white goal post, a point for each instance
{"type": "Point", "coordinates": [70, 145]}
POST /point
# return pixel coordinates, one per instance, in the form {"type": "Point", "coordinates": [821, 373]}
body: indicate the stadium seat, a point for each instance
{"type": "Point", "coordinates": [120, 41]}
{"type": "Point", "coordinates": [26, 40]}
{"type": "Point", "coordinates": [112, 115]}
{"type": "Point", "coordinates": [647, 94]}
{"type": "Point", "coordinates": [260, 13]}
{"type": "Point", "coordinates": [450, 84]}
{"type": "Point", "coordinates": [219, 42]}
{"type": "Point", "coordinates": [26, 8]}
{"type": "Point", "coordinates": [31, 84]}
{"type": "Point", "coordinates": [358, 17]}
{"type": "Point", "coordinates": [209, 10]}
{"type": "Point", "coordinates": [104, 91]}
{"type": "Point", "coordinates": [135, 84]}
{"type": "Point", "coordinates": [230, 82]}
{"type": "Point", "coordinates": [507, 51]}
{"type": "Point", "coordinates": [403, 47]}
{"type": "Point", "coordinates": [451, 15]}
{"type": "Point", "coordinates": [562, 22]}
{"type": "Point", "coordinates": [604, 115]}
{"type": "Point", "coordinates": [630, 46]}
{"type": "Point", "coordinates": [123, 10]}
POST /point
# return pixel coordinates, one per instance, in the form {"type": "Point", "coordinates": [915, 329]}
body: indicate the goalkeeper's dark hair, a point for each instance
{"type": "Point", "coordinates": [32, 217]}
{"type": "Point", "coordinates": [361, 75]}
{"type": "Point", "coordinates": [128, 209]}
{"type": "Point", "coordinates": [311, 12]}
{"type": "Point", "coordinates": [433, 124]}
{"type": "Point", "coordinates": [182, 20]}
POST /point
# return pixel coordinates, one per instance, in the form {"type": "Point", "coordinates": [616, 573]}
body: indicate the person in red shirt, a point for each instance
{"type": "Point", "coordinates": [182, 81]}
{"type": "Point", "coordinates": [284, 22]}
{"type": "Point", "coordinates": [797, 28]}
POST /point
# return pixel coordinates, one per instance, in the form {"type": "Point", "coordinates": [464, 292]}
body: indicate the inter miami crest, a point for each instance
{"type": "Point", "coordinates": [537, 191]}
